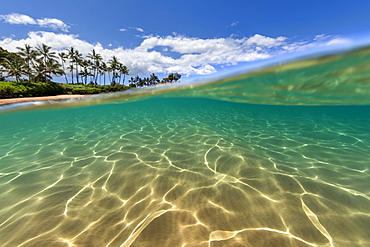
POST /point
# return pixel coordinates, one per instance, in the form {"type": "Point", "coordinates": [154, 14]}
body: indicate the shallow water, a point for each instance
{"type": "Point", "coordinates": [191, 171]}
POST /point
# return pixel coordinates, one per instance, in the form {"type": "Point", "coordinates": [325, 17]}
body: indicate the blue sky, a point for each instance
{"type": "Point", "coordinates": [192, 37]}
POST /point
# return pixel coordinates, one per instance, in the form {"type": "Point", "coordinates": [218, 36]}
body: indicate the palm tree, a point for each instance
{"type": "Point", "coordinates": [123, 71]}
{"type": "Point", "coordinates": [103, 69]}
{"type": "Point", "coordinates": [63, 56]}
{"type": "Point", "coordinates": [45, 52]}
{"type": "Point", "coordinates": [3, 55]}
{"type": "Point", "coordinates": [76, 58]}
{"type": "Point", "coordinates": [71, 69]}
{"type": "Point", "coordinates": [53, 67]}
{"type": "Point", "coordinates": [114, 65]}
{"type": "Point", "coordinates": [97, 69]}
{"type": "Point", "coordinates": [71, 53]}
{"type": "Point", "coordinates": [85, 69]}
{"type": "Point", "coordinates": [153, 79]}
{"type": "Point", "coordinates": [140, 82]}
{"type": "Point", "coordinates": [97, 58]}
{"type": "Point", "coordinates": [91, 68]}
{"type": "Point", "coordinates": [176, 77]}
{"type": "Point", "coordinates": [40, 72]}
{"type": "Point", "coordinates": [13, 67]}
{"type": "Point", "coordinates": [132, 81]}
{"type": "Point", "coordinates": [29, 55]}
{"type": "Point", "coordinates": [172, 77]}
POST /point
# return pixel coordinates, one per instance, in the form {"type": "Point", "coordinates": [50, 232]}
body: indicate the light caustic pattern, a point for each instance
{"type": "Point", "coordinates": [185, 172]}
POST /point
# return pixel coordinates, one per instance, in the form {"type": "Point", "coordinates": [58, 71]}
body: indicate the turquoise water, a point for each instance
{"type": "Point", "coordinates": [161, 168]}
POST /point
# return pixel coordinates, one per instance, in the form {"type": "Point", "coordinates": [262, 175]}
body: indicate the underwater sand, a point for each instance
{"type": "Point", "coordinates": [174, 170]}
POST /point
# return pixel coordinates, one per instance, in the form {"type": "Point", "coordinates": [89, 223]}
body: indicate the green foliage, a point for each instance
{"type": "Point", "coordinates": [115, 88]}
{"type": "Point", "coordinates": [4, 54]}
{"type": "Point", "coordinates": [25, 89]}
{"type": "Point", "coordinates": [40, 64]}
{"type": "Point", "coordinates": [173, 77]}
{"type": "Point", "coordinates": [37, 66]}
{"type": "Point", "coordinates": [82, 89]}
{"type": "Point", "coordinates": [93, 89]}
{"type": "Point", "coordinates": [153, 80]}
{"type": "Point", "coordinates": [21, 89]}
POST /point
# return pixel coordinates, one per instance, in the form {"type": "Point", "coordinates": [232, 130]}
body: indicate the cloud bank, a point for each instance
{"type": "Point", "coordinates": [21, 19]}
{"type": "Point", "coordinates": [175, 53]}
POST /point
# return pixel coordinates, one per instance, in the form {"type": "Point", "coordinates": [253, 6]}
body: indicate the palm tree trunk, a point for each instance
{"type": "Point", "coordinates": [28, 71]}
{"type": "Point", "coordinates": [96, 78]}
{"type": "Point", "coordinates": [77, 73]}
{"type": "Point", "coordinates": [65, 75]}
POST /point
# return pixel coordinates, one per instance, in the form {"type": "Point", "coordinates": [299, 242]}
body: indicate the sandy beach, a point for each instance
{"type": "Point", "coordinates": [42, 98]}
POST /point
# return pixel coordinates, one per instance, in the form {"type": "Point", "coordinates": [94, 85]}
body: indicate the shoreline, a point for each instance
{"type": "Point", "coordinates": [40, 98]}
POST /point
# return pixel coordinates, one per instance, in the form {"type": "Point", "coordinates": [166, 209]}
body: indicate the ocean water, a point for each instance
{"type": "Point", "coordinates": [273, 157]}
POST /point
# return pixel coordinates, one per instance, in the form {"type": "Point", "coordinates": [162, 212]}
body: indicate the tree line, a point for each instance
{"type": "Point", "coordinates": [40, 64]}
{"type": "Point", "coordinates": [153, 80]}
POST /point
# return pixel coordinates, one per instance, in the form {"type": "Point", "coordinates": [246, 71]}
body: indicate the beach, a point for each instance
{"type": "Point", "coordinates": [41, 98]}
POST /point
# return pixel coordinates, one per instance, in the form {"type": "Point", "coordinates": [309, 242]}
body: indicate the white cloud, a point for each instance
{"type": "Point", "coordinates": [263, 41]}
{"type": "Point", "coordinates": [195, 56]}
{"type": "Point", "coordinates": [17, 19]}
{"type": "Point", "coordinates": [139, 29]}
{"type": "Point", "coordinates": [52, 23]}
{"type": "Point", "coordinates": [319, 41]}
{"type": "Point", "coordinates": [56, 41]}
{"type": "Point", "coordinates": [234, 23]}
{"type": "Point", "coordinates": [322, 37]}
{"type": "Point", "coordinates": [337, 41]}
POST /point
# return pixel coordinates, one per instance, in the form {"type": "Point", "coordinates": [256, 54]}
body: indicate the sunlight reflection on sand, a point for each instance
{"type": "Point", "coordinates": [166, 172]}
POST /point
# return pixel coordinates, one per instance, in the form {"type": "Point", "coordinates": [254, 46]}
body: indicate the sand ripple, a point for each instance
{"type": "Point", "coordinates": [181, 172]}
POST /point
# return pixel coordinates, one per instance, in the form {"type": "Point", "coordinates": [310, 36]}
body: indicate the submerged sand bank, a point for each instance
{"type": "Point", "coordinates": [27, 99]}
